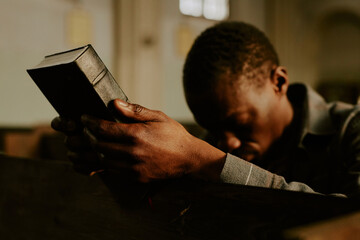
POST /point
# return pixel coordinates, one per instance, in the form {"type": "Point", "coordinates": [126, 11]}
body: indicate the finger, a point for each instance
{"type": "Point", "coordinates": [84, 165]}
{"type": "Point", "coordinates": [64, 125]}
{"type": "Point", "coordinates": [136, 112]}
{"type": "Point", "coordinates": [86, 157]}
{"type": "Point", "coordinates": [77, 143]}
{"type": "Point", "coordinates": [117, 164]}
{"type": "Point", "coordinates": [114, 150]}
{"type": "Point", "coordinates": [123, 174]}
{"type": "Point", "coordinates": [106, 130]}
{"type": "Point", "coordinates": [86, 168]}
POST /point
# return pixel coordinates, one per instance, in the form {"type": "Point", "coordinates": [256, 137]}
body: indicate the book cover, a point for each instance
{"type": "Point", "coordinates": [77, 82]}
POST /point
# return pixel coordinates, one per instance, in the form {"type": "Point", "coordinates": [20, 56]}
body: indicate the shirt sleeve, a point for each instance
{"type": "Point", "coordinates": [239, 171]}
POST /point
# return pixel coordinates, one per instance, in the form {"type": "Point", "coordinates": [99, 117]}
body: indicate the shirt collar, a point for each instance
{"type": "Point", "coordinates": [315, 114]}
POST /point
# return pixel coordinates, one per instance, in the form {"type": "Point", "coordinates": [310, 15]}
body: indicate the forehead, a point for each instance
{"type": "Point", "coordinates": [221, 104]}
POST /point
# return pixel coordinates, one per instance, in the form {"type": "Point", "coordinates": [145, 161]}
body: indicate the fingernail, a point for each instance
{"type": "Point", "coordinates": [122, 103]}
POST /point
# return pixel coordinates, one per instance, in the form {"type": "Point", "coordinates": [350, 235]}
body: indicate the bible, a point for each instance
{"type": "Point", "coordinates": [77, 82]}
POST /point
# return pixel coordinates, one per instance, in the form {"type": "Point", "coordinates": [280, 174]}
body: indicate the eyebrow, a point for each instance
{"type": "Point", "coordinates": [239, 117]}
{"type": "Point", "coordinates": [226, 124]}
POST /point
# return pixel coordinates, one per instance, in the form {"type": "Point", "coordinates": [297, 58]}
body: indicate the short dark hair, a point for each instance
{"type": "Point", "coordinates": [226, 48]}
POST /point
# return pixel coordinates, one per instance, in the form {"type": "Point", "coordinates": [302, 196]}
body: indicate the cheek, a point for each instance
{"type": "Point", "coordinates": [266, 142]}
{"type": "Point", "coordinates": [264, 135]}
{"type": "Point", "coordinates": [267, 123]}
{"type": "Point", "coordinates": [265, 104]}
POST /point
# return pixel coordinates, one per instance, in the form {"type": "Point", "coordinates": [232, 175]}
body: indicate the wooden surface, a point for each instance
{"type": "Point", "coordinates": [48, 200]}
{"type": "Point", "coordinates": [341, 228]}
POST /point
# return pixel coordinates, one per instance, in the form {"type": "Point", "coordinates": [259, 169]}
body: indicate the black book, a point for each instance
{"type": "Point", "coordinates": [77, 82]}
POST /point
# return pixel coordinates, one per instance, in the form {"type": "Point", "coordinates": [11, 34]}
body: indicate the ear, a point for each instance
{"type": "Point", "coordinates": [280, 79]}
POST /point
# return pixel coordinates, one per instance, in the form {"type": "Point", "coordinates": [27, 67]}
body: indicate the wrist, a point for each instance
{"type": "Point", "coordinates": [209, 162]}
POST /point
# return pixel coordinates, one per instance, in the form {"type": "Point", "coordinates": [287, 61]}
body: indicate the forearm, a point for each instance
{"type": "Point", "coordinates": [207, 161]}
{"type": "Point", "coordinates": [238, 171]}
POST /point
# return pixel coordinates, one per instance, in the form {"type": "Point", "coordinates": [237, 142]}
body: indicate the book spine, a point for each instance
{"type": "Point", "coordinates": [107, 88]}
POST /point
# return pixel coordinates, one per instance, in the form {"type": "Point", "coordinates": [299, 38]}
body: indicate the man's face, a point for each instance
{"type": "Point", "coordinates": [243, 120]}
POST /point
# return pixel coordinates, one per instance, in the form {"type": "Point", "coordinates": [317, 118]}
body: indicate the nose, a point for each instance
{"type": "Point", "coordinates": [229, 142]}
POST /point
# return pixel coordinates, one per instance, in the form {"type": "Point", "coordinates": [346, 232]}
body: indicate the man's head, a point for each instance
{"type": "Point", "coordinates": [235, 88]}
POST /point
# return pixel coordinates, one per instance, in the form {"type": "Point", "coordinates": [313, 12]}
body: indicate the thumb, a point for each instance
{"type": "Point", "coordinates": [136, 112]}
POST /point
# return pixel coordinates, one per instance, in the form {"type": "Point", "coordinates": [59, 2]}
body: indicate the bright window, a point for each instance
{"type": "Point", "coordinates": [210, 9]}
{"type": "Point", "coordinates": [191, 7]}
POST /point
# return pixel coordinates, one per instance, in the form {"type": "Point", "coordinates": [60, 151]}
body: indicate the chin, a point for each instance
{"type": "Point", "coordinates": [249, 156]}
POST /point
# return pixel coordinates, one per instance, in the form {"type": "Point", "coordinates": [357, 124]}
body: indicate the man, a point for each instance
{"type": "Point", "coordinates": [264, 130]}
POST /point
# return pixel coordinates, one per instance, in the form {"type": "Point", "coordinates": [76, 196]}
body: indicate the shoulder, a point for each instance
{"type": "Point", "coordinates": [344, 115]}
{"type": "Point", "coordinates": [346, 118]}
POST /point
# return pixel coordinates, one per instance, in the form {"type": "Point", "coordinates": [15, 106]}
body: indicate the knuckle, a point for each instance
{"type": "Point", "coordinates": [136, 138]}
{"type": "Point", "coordinates": [139, 152]}
{"type": "Point", "coordinates": [133, 134]}
{"type": "Point", "coordinates": [100, 129]}
{"type": "Point", "coordinates": [119, 132]}
{"type": "Point", "coordinates": [144, 175]}
{"type": "Point", "coordinates": [159, 113]}
{"type": "Point", "coordinates": [138, 108]}
{"type": "Point", "coordinates": [161, 116]}
{"type": "Point", "coordinates": [134, 154]}
{"type": "Point", "coordinates": [103, 128]}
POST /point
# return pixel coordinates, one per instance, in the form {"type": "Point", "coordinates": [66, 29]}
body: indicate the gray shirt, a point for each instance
{"type": "Point", "coordinates": [323, 156]}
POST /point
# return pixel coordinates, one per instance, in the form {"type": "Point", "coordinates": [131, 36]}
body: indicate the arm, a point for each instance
{"type": "Point", "coordinates": [155, 146]}
{"type": "Point", "coordinates": [152, 145]}
{"type": "Point", "coordinates": [238, 171]}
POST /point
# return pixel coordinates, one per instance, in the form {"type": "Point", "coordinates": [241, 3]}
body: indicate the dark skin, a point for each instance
{"type": "Point", "coordinates": [155, 147]}
{"type": "Point", "coordinates": [245, 120]}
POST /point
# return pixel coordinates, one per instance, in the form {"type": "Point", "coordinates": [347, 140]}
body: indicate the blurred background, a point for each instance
{"type": "Point", "coordinates": [144, 44]}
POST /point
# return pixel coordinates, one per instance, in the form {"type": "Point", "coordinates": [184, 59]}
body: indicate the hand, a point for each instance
{"type": "Point", "coordinates": [152, 145]}
{"type": "Point", "coordinates": [80, 152]}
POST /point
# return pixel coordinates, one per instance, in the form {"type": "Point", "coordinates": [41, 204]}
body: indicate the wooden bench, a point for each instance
{"type": "Point", "coordinates": [49, 200]}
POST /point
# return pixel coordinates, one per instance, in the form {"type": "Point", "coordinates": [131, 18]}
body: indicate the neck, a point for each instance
{"type": "Point", "coordinates": [273, 158]}
{"type": "Point", "coordinates": [285, 115]}
{"type": "Point", "coordinates": [289, 113]}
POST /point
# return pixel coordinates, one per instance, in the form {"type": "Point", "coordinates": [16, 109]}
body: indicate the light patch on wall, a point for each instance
{"type": "Point", "coordinates": [191, 7]}
{"type": "Point", "coordinates": [210, 9]}
{"type": "Point", "coordinates": [185, 39]}
{"type": "Point", "coordinates": [79, 27]}
{"type": "Point", "coordinates": [216, 9]}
